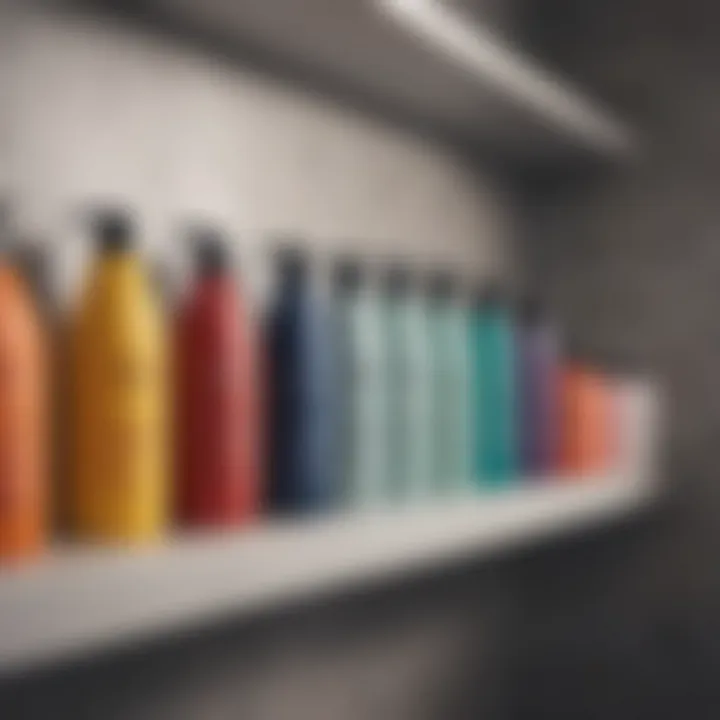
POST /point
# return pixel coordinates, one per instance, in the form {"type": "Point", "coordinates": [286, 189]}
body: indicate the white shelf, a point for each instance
{"type": "Point", "coordinates": [427, 60]}
{"type": "Point", "coordinates": [81, 600]}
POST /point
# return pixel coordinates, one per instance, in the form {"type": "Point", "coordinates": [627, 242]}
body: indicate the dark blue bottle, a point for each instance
{"type": "Point", "coordinates": [301, 367]}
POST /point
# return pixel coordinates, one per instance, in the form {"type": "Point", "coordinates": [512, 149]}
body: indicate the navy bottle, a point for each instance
{"type": "Point", "coordinates": [303, 458]}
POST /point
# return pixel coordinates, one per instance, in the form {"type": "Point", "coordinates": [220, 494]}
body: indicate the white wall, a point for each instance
{"type": "Point", "coordinates": [95, 109]}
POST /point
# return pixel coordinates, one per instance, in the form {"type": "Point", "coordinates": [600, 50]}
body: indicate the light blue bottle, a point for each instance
{"type": "Point", "coordinates": [409, 389]}
{"type": "Point", "coordinates": [496, 444]}
{"type": "Point", "coordinates": [364, 431]}
{"type": "Point", "coordinates": [451, 386]}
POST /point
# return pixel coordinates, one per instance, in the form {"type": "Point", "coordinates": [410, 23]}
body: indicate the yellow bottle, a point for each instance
{"type": "Point", "coordinates": [119, 489]}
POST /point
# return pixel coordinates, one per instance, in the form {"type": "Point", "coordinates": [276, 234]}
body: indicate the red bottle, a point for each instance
{"type": "Point", "coordinates": [218, 397]}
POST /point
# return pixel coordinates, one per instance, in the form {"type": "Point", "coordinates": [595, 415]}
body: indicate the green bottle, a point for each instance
{"type": "Point", "coordinates": [409, 389]}
{"type": "Point", "coordinates": [449, 328]}
{"type": "Point", "coordinates": [363, 405]}
{"type": "Point", "coordinates": [495, 380]}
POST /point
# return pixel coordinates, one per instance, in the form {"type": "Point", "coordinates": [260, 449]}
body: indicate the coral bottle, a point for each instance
{"type": "Point", "coordinates": [586, 421]}
{"type": "Point", "coordinates": [596, 438]}
{"type": "Point", "coordinates": [217, 396]}
{"type": "Point", "coordinates": [24, 419]}
{"type": "Point", "coordinates": [119, 489]}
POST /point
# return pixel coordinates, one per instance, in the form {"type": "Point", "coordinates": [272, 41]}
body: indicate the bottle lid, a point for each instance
{"type": "Point", "coordinates": [530, 309]}
{"type": "Point", "coordinates": [397, 279]}
{"type": "Point", "coordinates": [491, 295]}
{"type": "Point", "coordinates": [113, 230]}
{"type": "Point", "coordinates": [347, 274]}
{"type": "Point", "coordinates": [575, 351]}
{"type": "Point", "coordinates": [441, 285]}
{"type": "Point", "coordinates": [292, 262]}
{"type": "Point", "coordinates": [212, 256]}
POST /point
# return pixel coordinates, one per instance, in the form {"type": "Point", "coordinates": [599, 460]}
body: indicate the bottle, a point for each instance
{"type": "Point", "coordinates": [596, 440]}
{"type": "Point", "coordinates": [409, 388]}
{"type": "Point", "coordinates": [304, 454]}
{"type": "Point", "coordinates": [586, 421]}
{"type": "Point", "coordinates": [538, 389]}
{"type": "Point", "coordinates": [450, 347]}
{"type": "Point", "coordinates": [495, 390]}
{"type": "Point", "coordinates": [217, 395]}
{"type": "Point", "coordinates": [362, 381]}
{"type": "Point", "coordinates": [120, 396]}
{"type": "Point", "coordinates": [24, 415]}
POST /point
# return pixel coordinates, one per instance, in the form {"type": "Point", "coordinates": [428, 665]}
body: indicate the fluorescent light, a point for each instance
{"type": "Point", "coordinates": [484, 55]}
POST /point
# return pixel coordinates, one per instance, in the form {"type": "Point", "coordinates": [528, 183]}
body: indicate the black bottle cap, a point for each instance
{"type": "Point", "coordinates": [347, 274]}
{"type": "Point", "coordinates": [397, 280]}
{"type": "Point", "coordinates": [441, 285]}
{"type": "Point", "coordinates": [113, 230]}
{"type": "Point", "coordinates": [574, 350]}
{"type": "Point", "coordinates": [490, 296]}
{"type": "Point", "coordinates": [212, 256]}
{"type": "Point", "coordinates": [530, 310]}
{"type": "Point", "coordinates": [291, 261]}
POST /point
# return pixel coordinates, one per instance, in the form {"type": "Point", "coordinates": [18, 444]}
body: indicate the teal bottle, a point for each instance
{"type": "Point", "coordinates": [409, 392]}
{"type": "Point", "coordinates": [363, 394]}
{"type": "Point", "coordinates": [451, 384]}
{"type": "Point", "coordinates": [495, 379]}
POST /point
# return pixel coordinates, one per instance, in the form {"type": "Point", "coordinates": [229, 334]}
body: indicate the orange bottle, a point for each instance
{"type": "Point", "coordinates": [571, 392]}
{"type": "Point", "coordinates": [24, 415]}
{"type": "Point", "coordinates": [594, 424]}
{"type": "Point", "coordinates": [586, 421]}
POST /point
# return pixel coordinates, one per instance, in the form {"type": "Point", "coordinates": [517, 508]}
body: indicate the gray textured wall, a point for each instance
{"type": "Point", "coordinates": [632, 261]}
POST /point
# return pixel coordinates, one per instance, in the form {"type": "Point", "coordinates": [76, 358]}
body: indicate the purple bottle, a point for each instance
{"type": "Point", "coordinates": [538, 389]}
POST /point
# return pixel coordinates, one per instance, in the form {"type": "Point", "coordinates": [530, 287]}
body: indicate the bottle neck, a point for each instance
{"type": "Point", "coordinates": [119, 263]}
{"type": "Point", "coordinates": [214, 284]}
{"type": "Point", "coordinates": [212, 275]}
{"type": "Point", "coordinates": [293, 283]}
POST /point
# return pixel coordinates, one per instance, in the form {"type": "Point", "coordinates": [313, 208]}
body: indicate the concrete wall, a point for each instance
{"type": "Point", "coordinates": [98, 109]}
{"type": "Point", "coordinates": [632, 260]}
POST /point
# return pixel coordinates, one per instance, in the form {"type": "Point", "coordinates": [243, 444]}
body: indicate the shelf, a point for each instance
{"type": "Point", "coordinates": [80, 600]}
{"type": "Point", "coordinates": [422, 60]}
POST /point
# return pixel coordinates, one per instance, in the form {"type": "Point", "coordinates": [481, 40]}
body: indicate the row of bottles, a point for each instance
{"type": "Point", "coordinates": [397, 390]}
{"type": "Point", "coordinates": [384, 392]}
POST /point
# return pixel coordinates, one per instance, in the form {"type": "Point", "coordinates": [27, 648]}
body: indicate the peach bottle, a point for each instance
{"type": "Point", "coordinates": [585, 446]}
